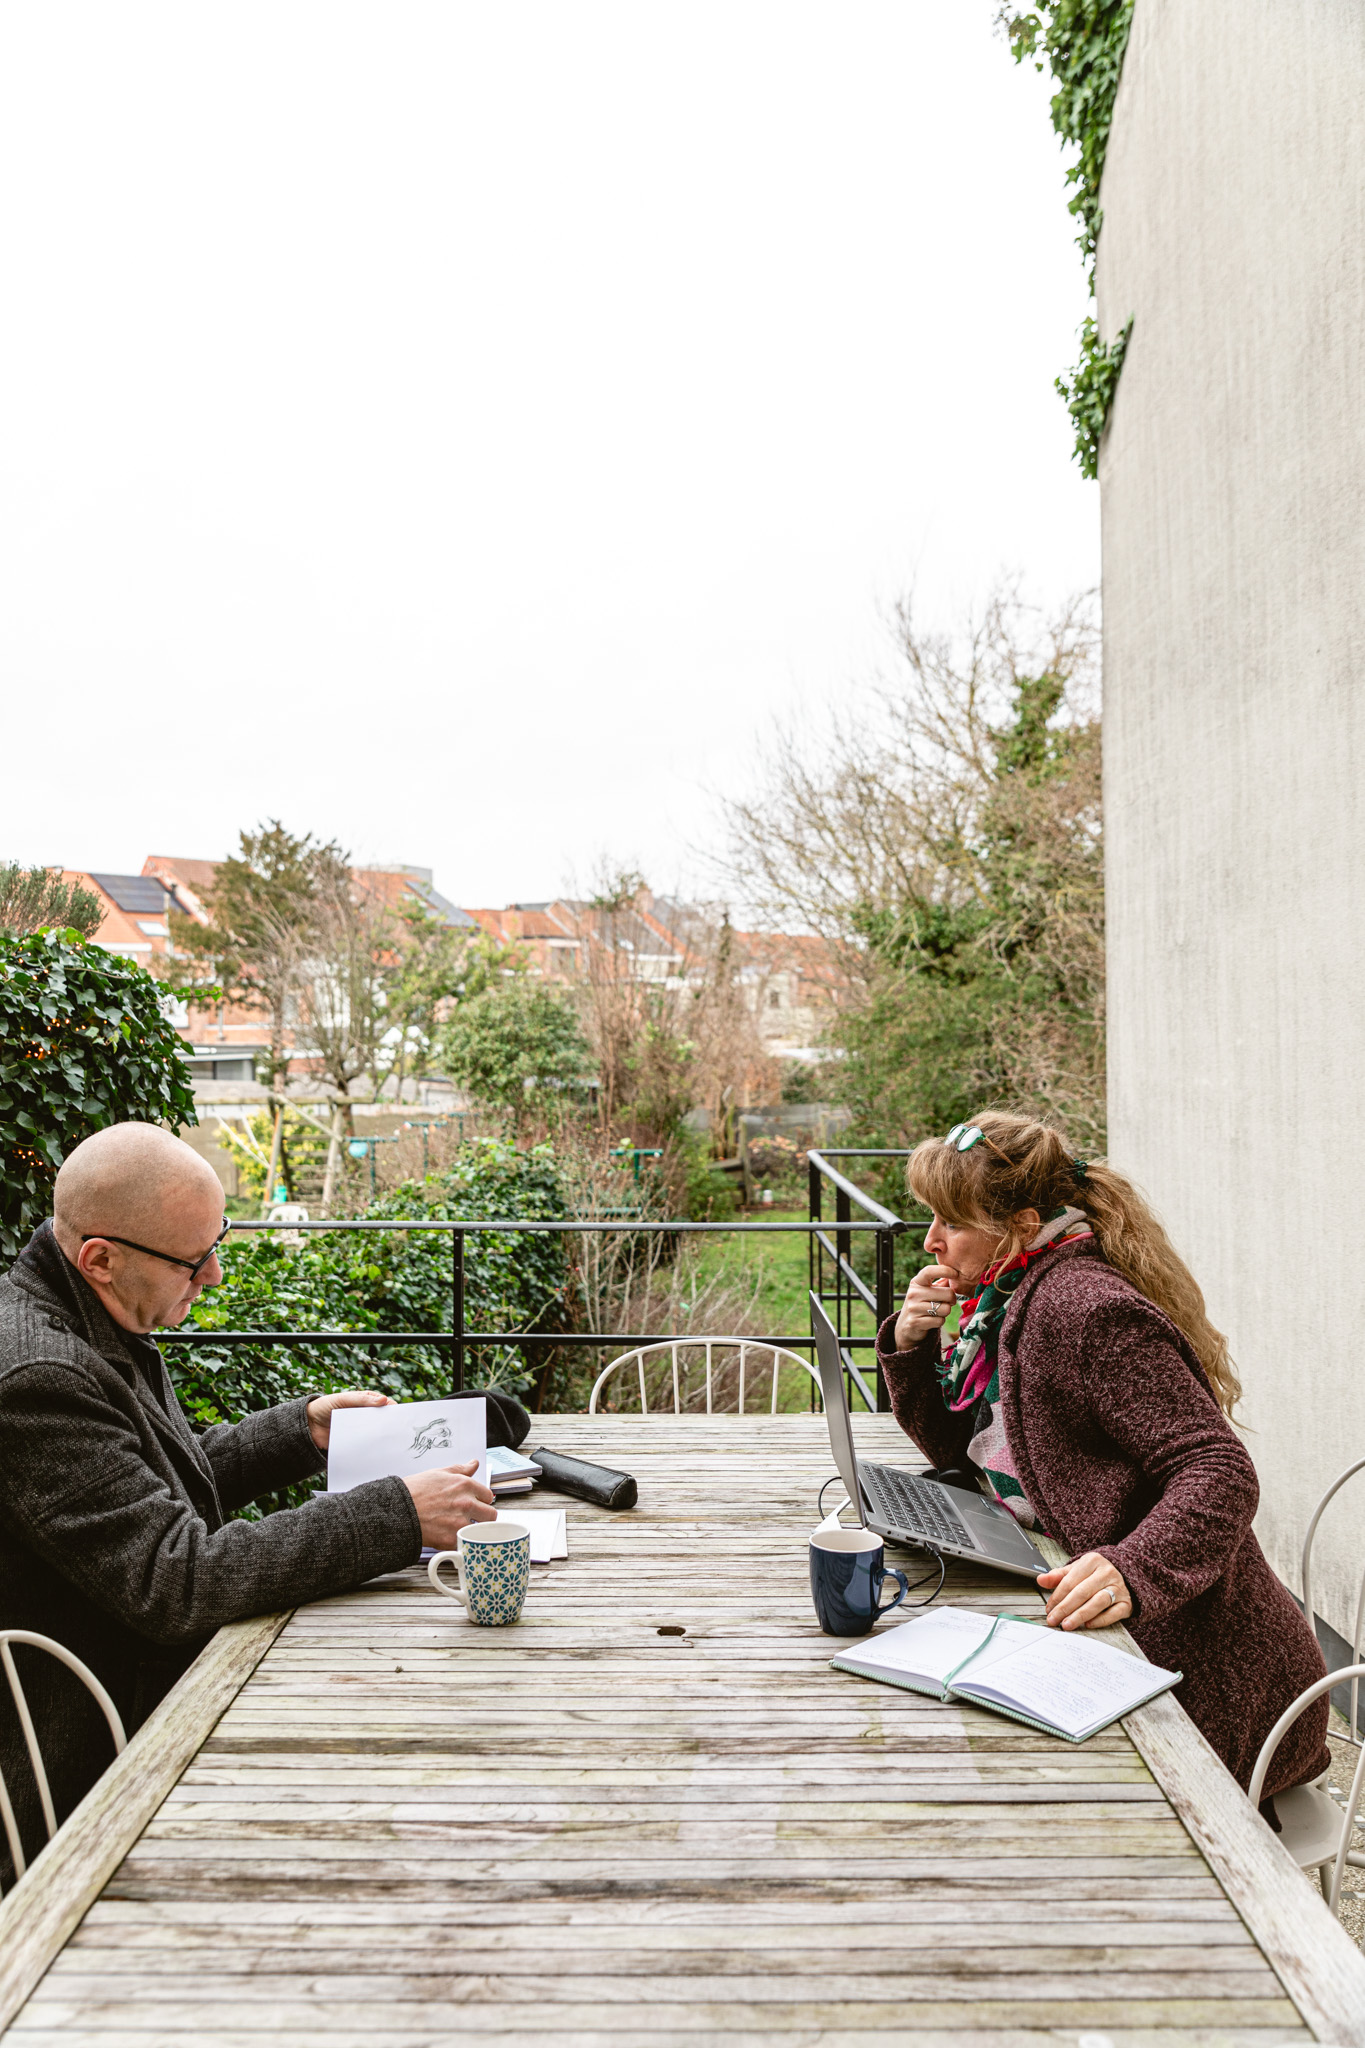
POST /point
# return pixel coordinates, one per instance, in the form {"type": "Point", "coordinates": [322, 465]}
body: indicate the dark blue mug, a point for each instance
{"type": "Point", "coordinates": [846, 1579]}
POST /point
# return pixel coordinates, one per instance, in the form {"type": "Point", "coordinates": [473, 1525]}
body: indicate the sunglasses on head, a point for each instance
{"type": "Point", "coordinates": [192, 1266]}
{"type": "Point", "coordinates": [962, 1137]}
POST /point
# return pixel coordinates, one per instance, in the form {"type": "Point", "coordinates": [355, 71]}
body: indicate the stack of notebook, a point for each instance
{"type": "Point", "coordinates": [511, 1471]}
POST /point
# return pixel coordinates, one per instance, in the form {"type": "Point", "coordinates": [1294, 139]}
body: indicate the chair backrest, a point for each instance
{"type": "Point", "coordinates": [744, 1345]}
{"type": "Point", "coordinates": [1276, 1737]}
{"type": "Point", "coordinates": [92, 1685]}
{"type": "Point", "coordinates": [288, 1212]}
{"type": "Point", "coordinates": [1359, 1630]}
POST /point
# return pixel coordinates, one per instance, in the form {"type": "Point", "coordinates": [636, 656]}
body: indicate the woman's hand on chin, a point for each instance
{"type": "Point", "coordinates": [928, 1299]}
{"type": "Point", "coordinates": [1087, 1593]}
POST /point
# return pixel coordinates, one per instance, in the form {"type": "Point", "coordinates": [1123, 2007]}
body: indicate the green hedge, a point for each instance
{"type": "Point", "coordinates": [377, 1280]}
{"type": "Point", "coordinates": [83, 1043]}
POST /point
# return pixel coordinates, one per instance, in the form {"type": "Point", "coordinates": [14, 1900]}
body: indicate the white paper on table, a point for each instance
{"type": "Point", "coordinates": [549, 1530]}
{"type": "Point", "coordinates": [832, 1521]}
{"type": "Point", "coordinates": [405, 1437]}
{"type": "Point", "coordinates": [546, 1527]}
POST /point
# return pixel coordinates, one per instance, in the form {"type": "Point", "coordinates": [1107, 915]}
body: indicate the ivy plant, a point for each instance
{"type": "Point", "coordinates": [1082, 43]}
{"type": "Point", "coordinates": [1089, 391]}
{"type": "Point", "coordinates": [83, 1043]}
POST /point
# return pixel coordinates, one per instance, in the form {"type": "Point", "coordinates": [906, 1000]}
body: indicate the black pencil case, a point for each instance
{"type": "Point", "coordinates": [595, 1483]}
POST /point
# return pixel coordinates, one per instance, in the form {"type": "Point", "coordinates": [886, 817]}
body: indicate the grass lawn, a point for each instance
{"type": "Point", "coordinates": [779, 1261]}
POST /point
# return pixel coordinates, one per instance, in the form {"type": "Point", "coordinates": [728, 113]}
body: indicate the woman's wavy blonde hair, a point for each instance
{"type": "Point", "coordinates": [1021, 1165]}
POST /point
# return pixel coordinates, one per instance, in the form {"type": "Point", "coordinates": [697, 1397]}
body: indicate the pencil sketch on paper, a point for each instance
{"type": "Point", "coordinates": [432, 1436]}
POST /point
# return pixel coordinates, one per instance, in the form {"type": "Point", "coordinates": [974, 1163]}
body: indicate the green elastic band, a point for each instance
{"type": "Point", "coordinates": [1032, 1621]}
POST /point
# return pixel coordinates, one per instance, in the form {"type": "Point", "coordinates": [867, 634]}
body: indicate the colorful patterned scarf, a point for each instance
{"type": "Point", "coordinates": [969, 1373]}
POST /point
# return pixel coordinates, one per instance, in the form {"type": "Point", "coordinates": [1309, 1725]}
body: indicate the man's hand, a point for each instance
{"type": "Point", "coordinates": [446, 1500]}
{"type": "Point", "coordinates": [928, 1299]}
{"type": "Point", "coordinates": [1087, 1593]}
{"type": "Point", "coordinates": [320, 1411]}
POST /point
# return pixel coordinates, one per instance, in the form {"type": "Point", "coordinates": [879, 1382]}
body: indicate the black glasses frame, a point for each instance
{"type": "Point", "coordinates": [192, 1266]}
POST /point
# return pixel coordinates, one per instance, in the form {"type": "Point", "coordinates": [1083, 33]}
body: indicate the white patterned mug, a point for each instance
{"type": "Point", "coordinates": [493, 1565]}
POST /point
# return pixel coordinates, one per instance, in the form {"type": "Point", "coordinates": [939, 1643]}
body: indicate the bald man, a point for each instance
{"type": "Point", "coordinates": [115, 1529]}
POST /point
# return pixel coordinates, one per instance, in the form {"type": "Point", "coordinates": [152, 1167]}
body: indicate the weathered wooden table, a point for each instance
{"type": "Point", "coordinates": [591, 1828]}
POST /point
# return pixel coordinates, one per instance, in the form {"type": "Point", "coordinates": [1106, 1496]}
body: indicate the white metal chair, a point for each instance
{"type": "Point", "coordinates": [674, 1345]}
{"type": "Point", "coordinates": [288, 1212]}
{"type": "Point", "coordinates": [35, 1755]}
{"type": "Point", "coordinates": [1314, 1829]}
{"type": "Point", "coordinates": [1359, 1630]}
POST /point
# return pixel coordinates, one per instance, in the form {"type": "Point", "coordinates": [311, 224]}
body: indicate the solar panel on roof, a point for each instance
{"type": "Point", "coordinates": [135, 893]}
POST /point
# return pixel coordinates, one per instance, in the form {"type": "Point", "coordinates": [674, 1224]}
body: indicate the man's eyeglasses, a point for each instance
{"type": "Point", "coordinates": [963, 1136]}
{"type": "Point", "coordinates": [192, 1266]}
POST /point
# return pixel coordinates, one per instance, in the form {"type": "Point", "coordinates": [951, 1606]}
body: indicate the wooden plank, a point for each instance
{"type": "Point", "coordinates": [464, 2013]}
{"type": "Point", "coordinates": [50, 1898]}
{"type": "Point", "coordinates": [535, 2029]}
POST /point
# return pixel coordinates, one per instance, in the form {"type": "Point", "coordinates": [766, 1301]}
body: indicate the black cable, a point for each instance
{"type": "Point", "coordinates": [942, 1575]}
{"type": "Point", "coordinates": [937, 1556]}
{"type": "Point", "coordinates": [820, 1497]}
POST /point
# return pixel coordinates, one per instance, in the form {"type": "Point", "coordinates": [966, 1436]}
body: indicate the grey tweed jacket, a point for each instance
{"type": "Point", "coordinates": [115, 1534]}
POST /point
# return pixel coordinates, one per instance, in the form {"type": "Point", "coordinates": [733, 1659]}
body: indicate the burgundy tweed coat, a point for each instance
{"type": "Point", "coordinates": [1121, 1448]}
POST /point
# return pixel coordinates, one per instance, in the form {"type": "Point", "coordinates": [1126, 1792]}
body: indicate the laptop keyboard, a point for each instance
{"type": "Point", "coordinates": [915, 1506]}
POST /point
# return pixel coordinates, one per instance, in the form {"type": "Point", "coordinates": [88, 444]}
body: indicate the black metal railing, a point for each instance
{"type": "Point", "coordinates": [834, 1278]}
{"type": "Point", "coordinates": [845, 1287]}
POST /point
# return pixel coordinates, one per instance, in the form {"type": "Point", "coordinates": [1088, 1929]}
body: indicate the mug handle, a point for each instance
{"type": "Point", "coordinates": [890, 1573]}
{"type": "Point", "coordinates": [458, 1592]}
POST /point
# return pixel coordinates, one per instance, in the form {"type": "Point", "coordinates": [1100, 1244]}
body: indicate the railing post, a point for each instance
{"type": "Point", "coordinates": [815, 1271]}
{"type": "Point", "coordinates": [814, 1188]}
{"type": "Point", "coordinates": [886, 1305]}
{"type": "Point", "coordinates": [457, 1309]}
{"type": "Point", "coordinates": [843, 1246]}
{"type": "Point", "coordinates": [843, 1293]}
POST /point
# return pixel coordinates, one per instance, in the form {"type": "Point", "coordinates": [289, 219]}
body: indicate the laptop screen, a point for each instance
{"type": "Point", "coordinates": [836, 1401]}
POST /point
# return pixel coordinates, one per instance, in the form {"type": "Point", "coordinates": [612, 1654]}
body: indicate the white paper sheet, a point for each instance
{"type": "Point", "coordinates": [549, 1530]}
{"type": "Point", "coordinates": [406, 1437]}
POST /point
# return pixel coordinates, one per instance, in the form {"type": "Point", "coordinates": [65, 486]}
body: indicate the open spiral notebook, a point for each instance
{"type": "Point", "coordinates": [1066, 1684]}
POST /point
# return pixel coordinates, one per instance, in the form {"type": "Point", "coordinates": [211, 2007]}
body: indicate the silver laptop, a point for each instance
{"type": "Point", "coordinates": [903, 1504]}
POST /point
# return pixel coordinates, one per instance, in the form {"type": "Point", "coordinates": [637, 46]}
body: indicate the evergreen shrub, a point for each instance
{"type": "Point", "coordinates": [381, 1280]}
{"type": "Point", "coordinates": [84, 1042]}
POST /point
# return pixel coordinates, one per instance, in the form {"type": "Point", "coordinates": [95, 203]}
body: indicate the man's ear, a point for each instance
{"type": "Point", "coordinates": [94, 1261]}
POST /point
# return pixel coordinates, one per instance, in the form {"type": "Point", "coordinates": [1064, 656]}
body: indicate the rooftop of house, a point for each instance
{"type": "Point", "coordinates": [137, 927]}
{"type": "Point", "coordinates": [140, 895]}
{"type": "Point", "coordinates": [198, 873]}
{"type": "Point", "coordinates": [402, 883]}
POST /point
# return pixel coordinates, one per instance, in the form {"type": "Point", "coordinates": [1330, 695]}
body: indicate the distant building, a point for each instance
{"type": "Point", "coordinates": [399, 884]}
{"type": "Point", "coordinates": [791, 982]}
{"type": "Point", "coordinates": [794, 983]}
{"type": "Point", "coordinates": [547, 933]}
{"type": "Point", "coordinates": [135, 912]}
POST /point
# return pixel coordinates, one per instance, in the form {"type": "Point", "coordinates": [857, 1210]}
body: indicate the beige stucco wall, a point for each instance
{"type": "Point", "coordinates": [1233, 493]}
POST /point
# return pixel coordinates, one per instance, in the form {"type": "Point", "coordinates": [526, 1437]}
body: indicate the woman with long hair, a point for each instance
{"type": "Point", "coordinates": [1087, 1387]}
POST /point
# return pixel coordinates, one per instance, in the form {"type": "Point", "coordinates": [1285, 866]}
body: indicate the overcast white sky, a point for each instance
{"type": "Point", "coordinates": [460, 429]}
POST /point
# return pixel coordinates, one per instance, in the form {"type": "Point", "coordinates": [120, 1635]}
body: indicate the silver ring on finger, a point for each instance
{"type": "Point", "coordinates": [1111, 1594]}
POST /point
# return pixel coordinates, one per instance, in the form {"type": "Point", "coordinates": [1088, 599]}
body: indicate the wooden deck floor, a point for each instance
{"type": "Point", "coordinates": [582, 1831]}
